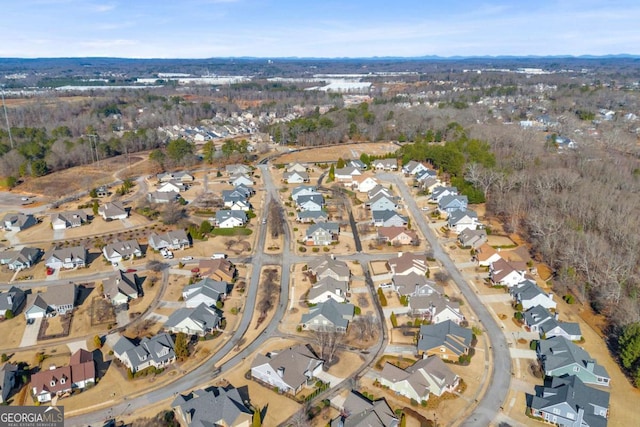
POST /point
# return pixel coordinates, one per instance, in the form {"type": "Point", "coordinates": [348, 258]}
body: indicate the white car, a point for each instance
{"type": "Point", "coordinates": [186, 258]}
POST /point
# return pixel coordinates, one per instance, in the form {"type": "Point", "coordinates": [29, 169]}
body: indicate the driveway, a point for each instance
{"type": "Point", "coordinates": [328, 378]}
{"type": "Point", "coordinates": [30, 336]}
{"type": "Point", "coordinates": [488, 299]}
{"type": "Point", "coordinates": [122, 316]}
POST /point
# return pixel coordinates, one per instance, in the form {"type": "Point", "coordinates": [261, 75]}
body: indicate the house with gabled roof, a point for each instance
{"type": "Point", "coordinates": [303, 190]}
{"type": "Point", "coordinates": [363, 184]}
{"type": "Point", "coordinates": [385, 164]}
{"type": "Point", "coordinates": [172, 240]}
{"type": "Point", "coordinates": [122, 287]}
{"type": "Point", "coordinates": [445, 340]}
{"type": "Point", "coordinates": [207, 291]}
{"type": "Point", "coordinates": [117, 251]}
{"type": "Point", "coordinates": [346, 174]}
{"type": "Point", "coordinates": [328, 288]}
{"type": "Point", "coordinates": [328, 316]}
{"type": "Point", "coordinates": [69, 257]}
{"type": "Point", "coordinates": [436, 308]}
{"type": "Point", "coordinates": [236, 199]}
{"type": "Point", "coordinates": [414, 168]}
{"type": "Point", "coordinates": [406, 263]}
{"type": "Point", "coordinates": [504, 273]}
{"type": "Point", "coordinates": [217, 269]}
{"type": "Point", "coordinates": [426, 376]}
{"type": "Point", "coordinates": [327, 266]}
{"type": "Point", "coordinates": [214, 406]}
{"type": "Point", "coordinates": [312, 216]}
{"type": "Point", "coordinates": [295, 177]}
{"type": "Point", "coordinates": [529, 294]}
{"type": "Point", "coordinates": [56, 381]}
{"type": "Point", "coordinates": [414, 284]}
{"type": "Point", "coordinates": [157, 351]}
{"type": "Point", "coordinates": [70, 219]}
{"type": "Point", "coordinates": [290, 370]}
{"type": "Point", "coordinates": [241, 179]}
{"type": "Point", "coordinates": [358, 410]}
{"type": "Point", "coordinates": [397, 235]}
{"type": "Point", "coordinates": [8, 374]}
{"type": "Point", "coordinates": [569, 402]}
{"type": "Point", "coordinates": [322, 233]}
{"type": "Point", "coordinates": [113, 211]}
{"type": "Point", "coordinates": [379, 189]}
{"type": "Point", "coordinates": [449, 204]}
{"type": "Point", "coordinates": [237, 169]}
{"type": "Point", "coordinates": [382, 202]}
{"type": "Point", "coordinates": [11, 300]}
{"type": "Point", "coordinates": [18, 221]}
{"type": "Point", "coordinates": [310, 202]}
{"type": "Point", "coordinates": [388, 219]}
{"type": "Point", "coordinates": [163, 197]}
{"type": "Point", "coordinates": [230, 218]}
{"type": "Point", "coordinates": [61, 301]}
{"type": "Point", "coordinates": [170, 187]}
{"type": "Point", "coordinates": [559, 357]}
{"type": "Point", "coordinates": [200, 320]}
{"type": "Point", "coordinates": [296, 167]}
{"type": "Point", "coordinates": [357, 163]}
{"type": "Point", "coordinates": [20, 259]}
{"type": "Point", "coordinates": [487, 255]}
{"type": "Point", "coordinates": [428, 183]}
{"type": "Point", "coordinates": [554, 328]}
{"type": "Point", "coordinates": [441, 191]}
{"type": "Point", "coordinates": [461, 220]}
{"type": "Point", "coordinates": [473, 239]}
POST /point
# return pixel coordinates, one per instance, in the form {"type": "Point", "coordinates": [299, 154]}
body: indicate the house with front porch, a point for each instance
{"type": "Point", "coordinates": [445, 340]}
{"type": "Point", "coordinates": [289, 370]}
{"type": "Point", "coordinates": [157, 351]}
{"type": "Point", "coordinates": [426, 376]}
{"type": "Point", "coordinates": [68, 258]}
{"type": "Point", "coordinates": [118, 251]}
{"type": "Point", "coordinates": [559, 357]}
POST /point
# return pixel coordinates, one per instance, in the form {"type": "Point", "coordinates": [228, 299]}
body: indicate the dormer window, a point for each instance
{"type": "Point", "coordinates": [52, 383]}
{"type": "Point", "coordinates": [62, 380]}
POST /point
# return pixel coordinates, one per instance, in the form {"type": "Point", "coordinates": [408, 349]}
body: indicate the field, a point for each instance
{"type": "Point", "coordinates": [347, 151]}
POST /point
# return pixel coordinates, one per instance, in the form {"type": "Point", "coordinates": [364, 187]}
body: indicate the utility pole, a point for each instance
{"type": "Point", "coordinates": [93, 146]}
{"type": "Point", "coordinates": [6, 116]}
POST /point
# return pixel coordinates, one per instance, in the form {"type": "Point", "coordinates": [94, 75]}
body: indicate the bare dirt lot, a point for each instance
{"type": "Point", "coordinates": [331, 154]}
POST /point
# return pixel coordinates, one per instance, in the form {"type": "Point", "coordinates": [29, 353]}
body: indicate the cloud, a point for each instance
{"type": "Point", "coordinates": [102, 8]}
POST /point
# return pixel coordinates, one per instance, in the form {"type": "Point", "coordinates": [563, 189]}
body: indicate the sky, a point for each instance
{"type": "Point", "coordinates": [316, 28]}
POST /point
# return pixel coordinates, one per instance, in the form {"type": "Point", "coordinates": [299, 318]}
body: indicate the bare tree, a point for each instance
{"type": "Point", "coordinates": [328, 343]}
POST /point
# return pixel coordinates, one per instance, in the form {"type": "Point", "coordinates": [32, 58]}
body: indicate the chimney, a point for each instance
{"type": "Point", "coordinates": [399, 254]}
{"type": "Point", "coordinates": [281, 372]}
{"type": "Point", "coordinates": [556, 316]}
{"type": "Point", "coordinates": [10, 300]}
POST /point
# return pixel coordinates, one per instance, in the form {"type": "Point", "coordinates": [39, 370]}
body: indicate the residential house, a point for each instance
{"type": "Point", "coordinates": [436, 308]}
{"type": "Point", "coordinates": [328, 288]}
{"type": "Point", "coordinates": [18, 221]}
{"type": "Point", "coordinates": [441, 191]}
{"type": "Point", "coordinates": [568, 402]}
{"type": "Point", "coordinates": [449, 204]}
{"type": "Point", "coordinates": [11, 301]}
{"type": "Point", "coordinates": [310, 202]}
{"type": "Point", "coordinates": [486, 255]}
{"type": "Point", "coordinates": [59, 301]}
{"type": "Point", "coordinates": [559, 357]}
{"type": "Point", "coordinates": [382, 202]}
{"type": "Point", "coordinates": [102, 191]}
{"type": "Point", "coordinates": [69, 257]}
{"type": "Point", "coordinates": [414, 168]}
{"type": "Point", "coordinates": [414, 284]}
{"type": "Point", "coordinates": [389, 219]}
{"type": "Point", "coordinates": [303, 190]}
{"type": "Point", "coordinates": [215, 406]}
{"type": "Point", "coordinates": [322, 233]}
{"type": "Point", "coordinates": [240, 205]}
{"type": "Point", "coordinates": [329, 267]}
{"type": "Point", "coordinates": [118, 251]}
{"type": "Point", "coordinates": [426, 376]}
{"type": "Point", "coordinates": [379, 189]}
{"type": "Point", "coordinates": [357, 163]}
{"type": "Point", "coordinates": [346, 174]}
{"type": "Point", "coordinates": [385, 164]}
{"type": "Point", "coordinates": [445, 340]}
{"type": "Point", "coordinates": [397, 235]}
{"type": "Point", "coordinates": [358, 410]}
{"type": "Point", "coordinates": [312, 216]}
{"type": "Point", "coordinates": [504, 273]}
{"type": "Point", "coordinates": [535, 316]}
{"type": "Point", "coordinates": [8, 374]}
{"type": "Point", "coordinates": [112, 211]}
{"type": "Point", "coordinates": [175, 176]}
{"type": "Point", "coordinates": [230, 218]}
{"type": "Point", "coordinates": [217, 269]}
{"type": "Point", "coordinates": [166, 197]}
{"type": "Point", "coordinates": [529, 295]}
{"type": "Point", "coordinates": [71, 219]}
{"type": "Point", "coordinates": [170, 187]}
{"type": "Point", "coordinates": [237, 169]}
{"type": "Point", "coordinates": [236, 199]}
{"type": "Point", "coordinates": [57, 381]}
{"type": "Point", "coordinates": [20, 259]}
{"type": "Point", "coordinates": [328, 316]}
{"type": "Point", "coordinates": [200, 320]}
{"type": "Point", "coordinates": [461, 220]}
{"type": "Point", "coordinates": [428, 183]}
{"type": "Point", "coordinates": [539, 319]}
{"type": "Point", "coordinates": [295, 177]}
{"type": "Point", "coordinates": [296, 167]}
{"type": "Point", "coordinates": [241, 179]}
{"type": "Point", "coordinates": [406, 263]}
{"type": "Point", "coordinates": [289, 370]}
{"type": "Point", "coordinates": [172, 240]}
{"type": "Point", "coordinates": [363, 184]}
{"type": "Point", "coordinates": [122, 287]}
{"type": "Point", "coordinates": [473, 239]}
{"type": "Point", "coordinates": [207, 291]}
{"type": "Point", "coordinates": [157, 351]}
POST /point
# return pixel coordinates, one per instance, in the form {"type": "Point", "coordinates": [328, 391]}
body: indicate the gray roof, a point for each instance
{"type": "Point", "coordinates": [385, 216]}
{"type": "Point", "coordinates": [447, 334]}
{"type": "Point", "coordinates": [331, 227]}
{"type": "Point", "coordinates": [60, 296]}
{"type": "Point", "coordinates": [206, 317]}
{"type": "Point", "coordinates": [124, 249]}
{"type": "Point", "coordinates": [528, 291]}
{"type": "Point", "coordinates": [330, 284]}
{"type": "Point", "coordinates": [362, 412]}
{"type": "Point", "coordinates": [442, 189]}
{"type": "Point", "coordinates": [415, 374]}
{"type": "Point", "coordinates": [25, 255]}
{"type": "Point", "coordinates": [234, 195]}
{"type": "Point", "coordinates": [163, 196]}
{"type": "Point", "coordinates": [121, 282]}
{"type": "Point", "coordinates": [457, 216]}
{"type": "Point", "coordinates": [536, 315]}
{"type": "Point", "coordinates": [158, 348]}
{"type": "Point", "coordinates": [70, 217]}
{"type": "Point", "coordinates": [569, 328]}
{"type": "Point", "coordinates": [379, 189]}
{"type": "Point", "coordinates": [474, 238]}
{"type": "Point", "coordinates": [73, 253]}
{"type": "Point", "coordinates": [348, 170]}
{"type": "Point", "coordinates": [449, 200]}
{"type": "Point", "coordinates": [315, 198]}
{"type": "Point", "coordinates": [336, 313]}
{"type": "Point", "coordinates": [294, 361]}
{"type": "Point", "coordinates": [415, 284]}
{"type": "Point", "coordinates": [12, 299]}
{"type": "Point", "coordinates": [558, 352]}
{"type": "Point", "coordinates": [305, 189]}
{"type": "Point", "coordinates": [435, 301]}
{"type": "Point", "coordinates": [224, 215]}
{"type": "Point", "coordinates": [320, 266]}
{"type": "Point", "coordinates": [170, 238]}
{"type": "Point", "coordinates": [570, 394]}
{"type": "Point", "coordinates": [19, 220]}
{"type": "Point", "coordinates": [314, 215]}
{"type": "Point", "coordinates": [208, 287]}
{"type": "Point", "coordinates": [112, 209]}
{"type": "Point", "coordinates": [211, 407]}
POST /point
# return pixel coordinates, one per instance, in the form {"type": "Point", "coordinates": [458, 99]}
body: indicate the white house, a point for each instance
{"type": "Point", "coordinates": [461, 220]}
{"type": "Point", "coordinates": [289, 370]}
{"type": "Point", "coordinates": [230, 218]}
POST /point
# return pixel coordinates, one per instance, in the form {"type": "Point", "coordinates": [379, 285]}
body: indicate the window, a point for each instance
{"type": "Point", "coordinates": [576, 369]}
{"type": "Point", "coordinates": [570, 415]}
{"type": "Point", "coordinates": [556, 410]}
{"type": "Point", "coordinates": [52, 383]}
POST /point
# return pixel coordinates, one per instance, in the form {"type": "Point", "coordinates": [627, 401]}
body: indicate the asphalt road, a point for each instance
{"type": "Point", "coordinates": [494, 396]}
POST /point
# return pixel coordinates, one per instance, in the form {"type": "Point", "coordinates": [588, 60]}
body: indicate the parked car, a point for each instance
{"type": "Point", "coordinates": [218, 256]}
{"type": "Point", "coordinates": [131, 270]}
{"type": "Point", "coordinates": [186, 258]}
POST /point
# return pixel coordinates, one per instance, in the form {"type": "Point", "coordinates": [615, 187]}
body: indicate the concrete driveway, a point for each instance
{"type": "Point", "coordinates": [30, 336]}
